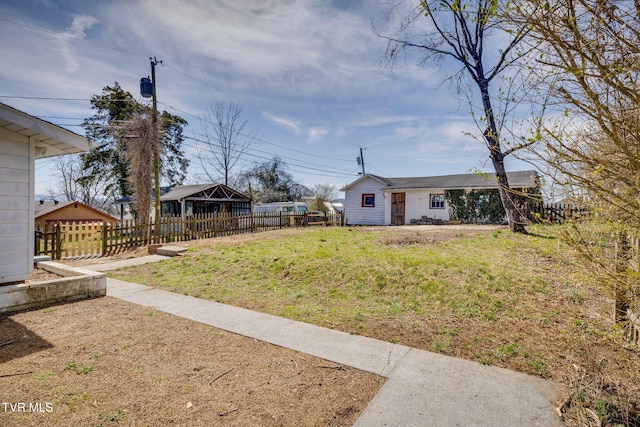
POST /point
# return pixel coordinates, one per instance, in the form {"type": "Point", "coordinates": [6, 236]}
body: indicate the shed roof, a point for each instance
{"type": "Point", "coordinates": [52, 139]}
{"type": "Point", "coordinates": [45, 208]}
{"type": "Point", "coordinates": [218, 192]}
{"type": "Point", "coordinates": [520, 179]}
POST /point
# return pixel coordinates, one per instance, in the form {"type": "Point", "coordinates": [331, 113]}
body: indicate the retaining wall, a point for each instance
{"type": "Point", "coordinates": [77, 283]}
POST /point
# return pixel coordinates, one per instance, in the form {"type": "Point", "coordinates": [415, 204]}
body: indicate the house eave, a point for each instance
{"type": "Point", "coordinates": [362, 178]}
{"type": "Point", "coordinates": [51, 140]}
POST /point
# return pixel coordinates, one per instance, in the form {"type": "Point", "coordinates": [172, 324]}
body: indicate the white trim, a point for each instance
{"type": "Point", "coordinates": [32, 198]}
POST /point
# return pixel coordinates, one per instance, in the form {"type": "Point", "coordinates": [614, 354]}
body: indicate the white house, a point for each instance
{"type": "Point", "coordinates": [375, 200]}
{"type": "Point", "coordinates": [23, 139]}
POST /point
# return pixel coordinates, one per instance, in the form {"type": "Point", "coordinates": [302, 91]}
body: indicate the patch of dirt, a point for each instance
{"type": "Point", "coordinates": [101, 361]}
{"type": "Point", "coordinates": [40, 275]}
{"type": "Point", "coordinates": [37, 275]}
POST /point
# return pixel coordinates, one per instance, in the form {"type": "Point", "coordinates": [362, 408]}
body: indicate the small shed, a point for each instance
{"type": "Point", "coordinates": [23, 139]}
{"type": "Point", "coordinates": [50, 212]}
{"type": "Point", "coordinates": [376, 200]}
{"type": "Point", "coordinates": [188, 200]}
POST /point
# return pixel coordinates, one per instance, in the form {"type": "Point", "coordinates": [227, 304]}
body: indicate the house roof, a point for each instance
{"type": "Point", "coordinates": [45, 208]}
{"type": "Point", "coordinates": [214, 192]}
{"type": "Point", "coordinates": [52, 140]}
{"type": "Point", "coordinates": [521, 179]}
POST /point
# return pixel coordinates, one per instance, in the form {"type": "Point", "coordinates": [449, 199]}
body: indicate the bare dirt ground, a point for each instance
{"type": "Point", "coordinates": [104, 361]}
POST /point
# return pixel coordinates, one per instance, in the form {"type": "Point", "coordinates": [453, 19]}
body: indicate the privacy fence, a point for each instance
{"type": "Point", "coordinates": [83, 239]}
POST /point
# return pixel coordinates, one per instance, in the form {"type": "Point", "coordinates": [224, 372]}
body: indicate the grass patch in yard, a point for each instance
{"type": "Point", "coordinates": [330, 275]}
{"type": "Point", "coordinates": [518, 301]}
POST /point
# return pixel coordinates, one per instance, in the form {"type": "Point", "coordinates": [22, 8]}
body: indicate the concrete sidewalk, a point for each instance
{"type": "Point", "coordinates": [422, 388]}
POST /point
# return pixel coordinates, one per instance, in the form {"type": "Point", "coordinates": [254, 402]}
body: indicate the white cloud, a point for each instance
{"type": "Point", "coordinates": [65, 40]}
{"type": "Point", "coordinates": [292, 125]}
{"type": "Point", "coordinates": [317, 133]}
{"type": "Point", "coordinates": [300, 47]}
{"type": "Point", "coordinates": [304, 71]}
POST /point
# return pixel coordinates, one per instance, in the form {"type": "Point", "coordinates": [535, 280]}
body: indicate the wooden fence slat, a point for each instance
{"type": "Point", "coordinates": [102, 239]}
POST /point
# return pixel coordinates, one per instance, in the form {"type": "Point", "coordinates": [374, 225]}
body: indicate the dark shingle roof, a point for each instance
{"type": "Point", "coordinates": [521, 179]}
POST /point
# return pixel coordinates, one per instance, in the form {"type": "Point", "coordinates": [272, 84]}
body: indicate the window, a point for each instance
{"type": "Point", "coordinates": [437, 201]}
{"type": "Point", "coordinates": [368, 200]}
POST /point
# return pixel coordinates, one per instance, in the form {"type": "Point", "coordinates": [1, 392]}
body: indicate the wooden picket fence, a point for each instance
{"type": "Point", "coordinates": [557, 213]}
{"type": "Point", "coordinates": [88, 239]}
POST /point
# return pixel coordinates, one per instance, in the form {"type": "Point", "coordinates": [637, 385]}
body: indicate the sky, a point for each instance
{"type": "Point", "coordinates": [308, 75]}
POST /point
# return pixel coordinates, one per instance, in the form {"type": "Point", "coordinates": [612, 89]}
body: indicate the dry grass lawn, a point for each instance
{"type": "Point", "coordinates": [104, 362]}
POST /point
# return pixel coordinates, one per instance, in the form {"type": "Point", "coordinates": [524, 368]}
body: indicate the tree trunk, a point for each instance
{"type": "Point", "coordinates": [514, 218]}
{"type": "Point", "coordinates": [491, 136]}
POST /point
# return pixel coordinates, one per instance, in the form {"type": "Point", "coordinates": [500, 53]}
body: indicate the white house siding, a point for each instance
{"type": "Point", "coordinates": [355, 213]}
{"type": "Point", "coordinates": [16, 211]}
{"type": "Point", "coordinates": [417, 204]}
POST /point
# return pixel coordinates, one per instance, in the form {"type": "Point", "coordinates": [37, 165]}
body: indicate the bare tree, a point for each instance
{"type": "Point", "coordinates": [478, 37]}
{"type": "Point", "coordinates": [323, 193]}
{"type": "Point", "coordinates": [225, 139]}
{"type": "Point", "coordinates": [73, 184]}
{"type": "Point", "coordinates": [588, 71]}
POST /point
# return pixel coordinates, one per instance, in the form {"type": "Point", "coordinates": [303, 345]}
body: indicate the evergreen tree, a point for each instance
{"type": "Point", "coordinates": [108, 130]}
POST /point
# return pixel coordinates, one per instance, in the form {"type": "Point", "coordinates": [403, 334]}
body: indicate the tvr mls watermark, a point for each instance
{"type": "Point", "coordinates": [26, 407]}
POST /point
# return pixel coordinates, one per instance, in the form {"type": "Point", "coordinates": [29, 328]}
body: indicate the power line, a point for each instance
{"type": "Point", "coordinates": [44, 97]}
{"type": "Point", "coordinates": [265, 152]}
{"type": "Point", "coordinates": [258, 139]}
{"type": "Point", "coordinates": [180, 71]}
{"type": "Point", "coordinates": [335, 173]}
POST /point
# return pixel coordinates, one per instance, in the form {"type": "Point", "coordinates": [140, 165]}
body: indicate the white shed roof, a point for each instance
{"type": "Point", "coordinates": [52, 138]}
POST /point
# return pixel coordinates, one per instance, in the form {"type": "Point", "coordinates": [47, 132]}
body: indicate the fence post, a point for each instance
{"type": "Point", "coordinates": [58, 242]}
{"type": "Point", "coordinates": [37, 235]}
{"type": "Point", "coordinates": [104, 238]}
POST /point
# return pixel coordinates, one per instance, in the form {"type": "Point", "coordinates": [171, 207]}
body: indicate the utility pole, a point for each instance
{"type": "Point", "coordinates": [144, 83]}
{"type": "Point", "coordinates": [361, 161]}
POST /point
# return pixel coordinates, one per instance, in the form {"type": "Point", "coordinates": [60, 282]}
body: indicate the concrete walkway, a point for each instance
{"type": "Point", "coordinates": [422, 388]}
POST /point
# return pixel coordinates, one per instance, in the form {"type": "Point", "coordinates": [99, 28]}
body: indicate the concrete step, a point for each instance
{"type": "Point", "coordinates": [170, 250]}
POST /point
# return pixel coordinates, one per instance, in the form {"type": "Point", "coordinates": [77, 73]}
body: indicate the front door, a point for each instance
{"type": "Point", "coordinates": [397, 208]}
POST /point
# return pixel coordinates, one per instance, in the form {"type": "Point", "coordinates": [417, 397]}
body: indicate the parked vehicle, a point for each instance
{"type": "Point", "coordinates": [284, 207]}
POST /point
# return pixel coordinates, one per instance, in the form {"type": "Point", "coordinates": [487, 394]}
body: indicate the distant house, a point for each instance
{"type": "Point", "coordinates": [23, 139]}
{"type": "Point", "coordinates": [188, 200]}
{"type": "Point", "coordinates": [53, 211]}
{"type": "Point", "coordinates": [375, 200]}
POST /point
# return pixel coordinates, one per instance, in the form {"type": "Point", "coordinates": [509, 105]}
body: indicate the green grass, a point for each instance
{"type": "Point", "coordinates": [332, 275]}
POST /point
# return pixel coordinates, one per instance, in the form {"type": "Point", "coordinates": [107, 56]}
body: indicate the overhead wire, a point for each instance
{"type": "Point", "coordinates": [342, 173]}
{"type": "Point", "coordinates": [254, 138]}
{"type": "Point", "coordinates": [335, 172]}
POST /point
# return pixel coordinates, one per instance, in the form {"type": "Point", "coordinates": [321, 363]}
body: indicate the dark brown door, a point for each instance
{"type": "Point", "coordinates": [397, 208]}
